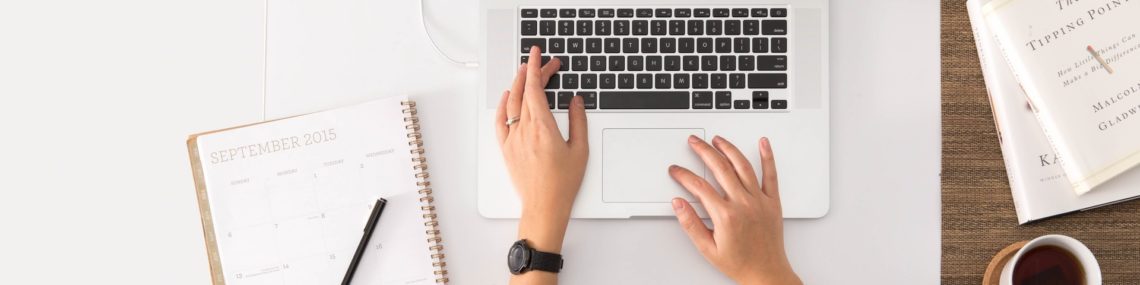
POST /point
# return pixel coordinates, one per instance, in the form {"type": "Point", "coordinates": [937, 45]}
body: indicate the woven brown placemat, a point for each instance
{"type": "Point", "coordinates": [978, 218]}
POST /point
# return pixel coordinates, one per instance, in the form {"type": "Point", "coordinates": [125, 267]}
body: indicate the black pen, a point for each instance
{"type": "Point", "coordinates": [368, 228]}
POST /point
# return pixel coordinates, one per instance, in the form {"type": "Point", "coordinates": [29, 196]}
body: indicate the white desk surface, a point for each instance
{"type": "Point", "coordinates": [101, 96]}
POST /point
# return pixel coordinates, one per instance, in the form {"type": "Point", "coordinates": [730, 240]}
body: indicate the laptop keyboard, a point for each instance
{"type": "Point", "coordinates": [692, 58]}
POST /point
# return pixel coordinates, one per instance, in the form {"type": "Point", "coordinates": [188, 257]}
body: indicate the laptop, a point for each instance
{"type": "Point", "coordinates": [654, 72]}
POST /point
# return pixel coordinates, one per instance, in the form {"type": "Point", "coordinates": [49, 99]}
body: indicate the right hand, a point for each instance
{"type": "Point", "coordinates": [748, 241]}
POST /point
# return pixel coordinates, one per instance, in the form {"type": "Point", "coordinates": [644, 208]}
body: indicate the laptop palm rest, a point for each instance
{"type": "Point", "coordinates": [635, 164]}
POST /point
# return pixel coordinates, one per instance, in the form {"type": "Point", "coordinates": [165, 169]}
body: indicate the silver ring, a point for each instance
{"type": "Point", "coordinates": [512, 120]}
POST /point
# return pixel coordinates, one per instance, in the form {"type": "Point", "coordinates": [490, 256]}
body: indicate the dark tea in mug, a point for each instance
{"type": "Point", "coordinates": [1048, 265]}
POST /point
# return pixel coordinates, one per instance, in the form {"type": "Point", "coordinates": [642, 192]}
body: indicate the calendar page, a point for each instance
{"type": "Point", "coordinates": [289, 198]}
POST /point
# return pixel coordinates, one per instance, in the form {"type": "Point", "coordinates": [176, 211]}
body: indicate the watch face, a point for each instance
{"type": "Point", "coordinates": [518, 258]}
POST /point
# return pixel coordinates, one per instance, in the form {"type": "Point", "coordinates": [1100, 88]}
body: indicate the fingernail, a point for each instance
{"type": "Point", "coordinates": [522, 66]}
{"type": "Point", "coordinates": [764, 140]}
{"type": "Point", "coordinates": [673, 167]}
{"type": "Point", "coordinates": [677, 204]}
{"type": "Point", "coordinates": [717, 138]}
{"type": "Point", "coordinates": [578, 99]}
{"type": "Point", "coordinates": [535, 48]}
{"type": "Point", "coordinates": [693, 139]}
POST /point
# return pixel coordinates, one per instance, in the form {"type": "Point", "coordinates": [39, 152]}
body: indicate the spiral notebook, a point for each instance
{"type": "Point", "coordinates": [285, 201]}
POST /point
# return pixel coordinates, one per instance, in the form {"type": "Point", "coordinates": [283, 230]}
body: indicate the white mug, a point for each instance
{"type": "Point", "coordinates": [1078, 249]}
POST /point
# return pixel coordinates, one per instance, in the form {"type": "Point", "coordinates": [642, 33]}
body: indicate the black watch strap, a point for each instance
{"type": "Point", "coordinates": [545, 261]}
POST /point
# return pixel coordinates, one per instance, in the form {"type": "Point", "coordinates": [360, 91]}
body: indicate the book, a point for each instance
{"type": "Point", "coordinates": [286, 201]}
{"type": "Point", "coordinates": [1078, 65]}
{"type": "Point", "coordinates": [1039, 187]}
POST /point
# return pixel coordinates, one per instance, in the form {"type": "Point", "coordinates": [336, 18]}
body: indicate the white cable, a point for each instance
{"type": "Point", "coordinates": [423, 23]}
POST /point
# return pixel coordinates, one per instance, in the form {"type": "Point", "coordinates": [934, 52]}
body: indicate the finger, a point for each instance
{"type": "Point", "coordinates": [500, 120]}
{"type": "Point", "coordinates": [534, 81]}
{"type": "Point", "coordinates": [514, 103]}
{"type": "Point", "coordinates": [693, 226]}
{"type": "Point", "coordinates": [719, 165]}
{"type": "Point", "coordinates": [771, 185]}
{"type": "Point", "coordinates": [739, 163]}
{"type": "Point", "coordinates": [536, 100]}
{"type": "Point", "coordinates": [578, 123]}
{"type": "Point", "coordinates": [696, 186]}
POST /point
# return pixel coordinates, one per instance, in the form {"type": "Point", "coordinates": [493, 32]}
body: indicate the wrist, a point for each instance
{"type": "Point", "coordinates": [543, 230]}
{"type": "Point", "coordinates": [782, 277]}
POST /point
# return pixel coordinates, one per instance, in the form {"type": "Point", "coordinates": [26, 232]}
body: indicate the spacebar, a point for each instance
{"type": "Point", "coordinates": [644, 100]}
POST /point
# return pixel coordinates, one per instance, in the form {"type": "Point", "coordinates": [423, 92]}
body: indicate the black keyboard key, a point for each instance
{"type": "Point", "coordinates": [662, 81]}
{"type": "Point", "coordinates": [589, 81]}
{"type": "Point", "coordinates": [586, 13]}
{"type": "Point", "coordinates": [529, 28]}
{"type": "Point", "coordinates": [574, 45]}
{"type": "Point", "coordinates": [759, 45]}
{"type": "Point", "coordinates": [779, 104]}
{"type": "Point", "coordinates": [644, 81]}
{"type": "Point", "coordinates": [668, 45]}
{"type": "Point", "coordinates": [779, 12]}
{"type": "Point", "coordinates": [691, 63]}
{"type": "Point", "coordinates": [550, 100]}
{"type": "Point", "coordinates": [589, 99]}
{"type": "Point", "coordinates": [529, 42]}
{"type": "Point", "coordinates": [700, 80]}
{"type": "Point", "coordinates": [740, 12]}
{"type": "Point", "coordinates": [594, 45]}
{"type": "Point", "coordinates": [774, 27]}
{"type": "Point", "coordinates": [608, 80]}
{"type": "Point", "coordinates": [644, 100]}
{"type": "Point", "coordinates": [705, 45]}
{"type": "Point", "coordinates": [549, 13]}
{"type": "Point", "coordinates": [621, 28]}
{"type": "Point", "coordinates": [635, 63]}
{"type": "Point", "coordinates": [629, 45]}
{"type": "Point", "coordinates": [625, 13]}
{"type": "Point", "coordinates": [723, 100]}
{"type": "Point", "coordinates": [597, 63]}
{"type": "Point", "coordinates": [547, 27]}
{"type": "Point", "coordinates": [585, 27]}
{"type": "Point", "coordinates": [779, 45]}
{"type": "Point", "coordinates": [617, 63]}
{"type": "Point", "coordinates": [570, 81]}
{"type": "Point", "coordinates": [564, 98]}
{"type": "Point", "coordinates": [580, 63]}
{"type": "Point", "coordinates": [653, 63]}
{"type": "Point", "coordinates": [672, 63]}
{"type": "Point", "coordinates": [723, 45]}
{"type": "Point", "coordinates": [640, 28]}
{"type": "Point", "coordinates": [686, 45]}
{"type": "Point", "coordinates": [649, 45]}
{"type": "Point", "coordinates": [759, 99]}
{"type": "Point", "coordinates": [741, 45]}
{"type": "Point", "coordinates": [605, 13]}
{"type": "Point", "coordinates": [681, 81]}
{"type": "Point", "coordinates": [664, 13]}
{"type": "Point", "coordinates": [751, 27]}
{"type": "Point", "coordinates": [737, 81]}
{"type": "Point", "coordinates": [564, 60]}
{"type": "Point", "coordinates": [566, 28]}
{"type": "Point", "coordinates": [708, 63]}
{"type": "Point", "coordinates": [556, 45]}
{"type": "Point", "coordinates": [771, 62]}
{"type": "Point", "coordinates": [625, 81]}
{"type": "Point", "coordinates": [611, 45]}
{"type": "Point", "coordinates": [658, 27]}
{"type": "Point", "coordinates": [683, 12]}
{"type": "Point", "coordinates": [759, 12]}
{"type": "Point", "coordinates": [741, 104]}
{"type": "Point", "coordinates": [713, 27]}
{"type": "Point", "coordinates": [568, 13]}
{"type": "Point", "coordinates": [732, 27]}
{"type": "Point", "coordinates": [767, 80]}
{"type": "Point", "coordinates": [696, 27]}
{"type": "Point", "coordinates": [530, 13]}
{"type": "Point", "coordinates": [702, 100]}
{"type": "Point", "coordinates": [716, 81]}
{"type": "Point", "coordinates": [746, 63]}
{"type": "Point", "coordinates": [727, 63]}
{"type": "Point", "coordinates": [721, 12]}
{"type": "Point", "coordinates": [645, 13]}
{"type": "Point", "coordinates": [702, 13]}
{"type": "Point", "coordinates": [553, 83]}
{"type": "Point", "coordinates": [602, 27]}
{"type": "Point", "coordinates": [676, 27]}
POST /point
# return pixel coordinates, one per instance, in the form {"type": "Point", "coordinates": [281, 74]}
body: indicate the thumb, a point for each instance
{"type": "Point", "coordinates": [577, 123]}
{"type": "Point", "coordinates": [692, 225]}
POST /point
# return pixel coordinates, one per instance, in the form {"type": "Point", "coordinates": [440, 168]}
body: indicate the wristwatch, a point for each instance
{"type": "Point", "coordinates": [522, 258]}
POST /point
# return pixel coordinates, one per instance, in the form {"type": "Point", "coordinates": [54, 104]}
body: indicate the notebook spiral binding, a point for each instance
{"type": "Point", "coordinates": [419, 163]}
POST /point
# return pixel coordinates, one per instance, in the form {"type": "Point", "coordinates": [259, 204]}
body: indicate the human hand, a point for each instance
{"type": "Point", "coordinates": [546, 169]}
{"type": "Point", "coordinates": [747, 242]}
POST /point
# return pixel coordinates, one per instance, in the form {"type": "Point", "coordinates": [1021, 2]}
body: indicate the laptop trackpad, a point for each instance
{"type": "Point", "coordinates": [635, 164]}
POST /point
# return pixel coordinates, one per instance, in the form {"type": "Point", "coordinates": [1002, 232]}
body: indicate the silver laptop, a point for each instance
{"type": "Point", "coordinates": [655, 72]}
